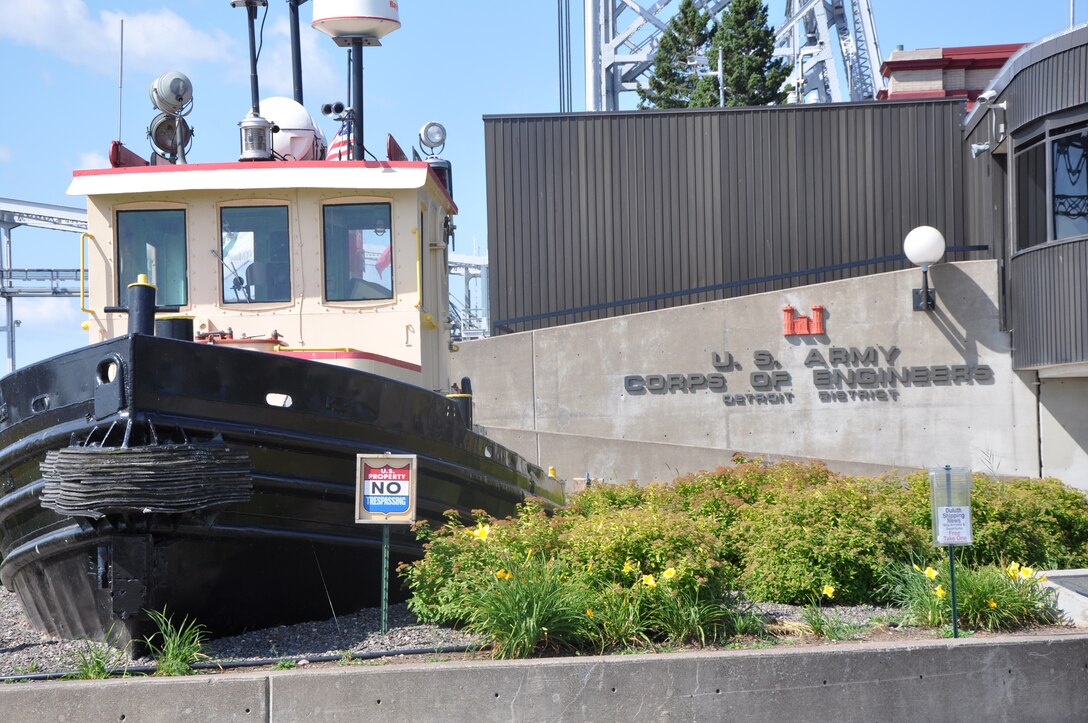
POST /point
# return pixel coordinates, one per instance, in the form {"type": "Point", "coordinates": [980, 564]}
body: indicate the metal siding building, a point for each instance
{"type": "Point", "coordinates": [1044, 91]}
{"type": "Point", "coordinates": [596, 215]}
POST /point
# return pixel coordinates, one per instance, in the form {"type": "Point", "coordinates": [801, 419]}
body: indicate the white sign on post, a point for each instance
{"type": "Point", "coordinates": [954, 525]}
{"type": "Point", "coordinates": [950, 510]}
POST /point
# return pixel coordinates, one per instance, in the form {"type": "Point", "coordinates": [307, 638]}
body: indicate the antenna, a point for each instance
{"type": "Point", "coordinates": [121, 80]}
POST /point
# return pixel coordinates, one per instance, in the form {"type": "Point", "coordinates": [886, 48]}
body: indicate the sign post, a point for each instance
{"type": "Point", "coordinates": [950, 498]}
{"type": "Point", "coordinates": [385, 494]}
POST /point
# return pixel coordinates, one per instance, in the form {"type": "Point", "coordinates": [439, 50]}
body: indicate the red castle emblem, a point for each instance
{"type": "Point", "coordinates": [802, 325]}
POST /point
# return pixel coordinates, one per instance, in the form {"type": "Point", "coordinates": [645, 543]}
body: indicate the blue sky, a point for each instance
{"type": "Point", "coordinates": [451, 61]}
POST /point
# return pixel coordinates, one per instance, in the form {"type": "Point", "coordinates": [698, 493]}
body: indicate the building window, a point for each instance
{"type": "Point", "coordinates": [1031, 196]}
{"type": "Point", "coordinates": [256, 255]}
{"type": "Point", "coordinates": [358, 252]}
{"type": "Point", "coordinates": [153, 243]}
{"type": "Point", "coordinates": [1070, 185]}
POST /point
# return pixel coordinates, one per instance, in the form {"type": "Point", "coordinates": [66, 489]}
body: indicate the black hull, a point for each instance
{"type": "Point", "coordinates": [293, 551]}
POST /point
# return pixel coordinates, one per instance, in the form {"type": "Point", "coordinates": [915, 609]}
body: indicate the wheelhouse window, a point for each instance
{"type": "Point", "coordinates": [1070, 185]}
{"type": "Point", "coordinates": [358, 252]}
{"type": "Point", "coordinates": [152, 242]}
{"type": "Point", "coordinates": [255, 259]}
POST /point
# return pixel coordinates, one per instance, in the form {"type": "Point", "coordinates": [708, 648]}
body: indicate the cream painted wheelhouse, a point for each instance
{"type": "Point", "coordinates": [343, 263]}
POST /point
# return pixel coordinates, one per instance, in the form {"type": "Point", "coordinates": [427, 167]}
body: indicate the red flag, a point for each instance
{"type": "Point", "coordinates": [384, 260]}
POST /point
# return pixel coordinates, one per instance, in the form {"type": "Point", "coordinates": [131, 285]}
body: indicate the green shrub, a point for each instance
{"type": "Point", "coordinates": [627, 543]}
{"type": "Point", "coordinates": [1038, 521]}
{"type": "Point", "coordinates": [841, 532]}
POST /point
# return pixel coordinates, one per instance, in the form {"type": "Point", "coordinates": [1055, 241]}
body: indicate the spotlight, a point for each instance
{"type": "Point", "coordinates": [432, 135]}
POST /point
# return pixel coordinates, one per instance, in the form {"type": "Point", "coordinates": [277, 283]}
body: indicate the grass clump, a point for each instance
{"type": "Point", "coordinates": [175, 647]}
{"type": "Point", "coordinates": [989, 597]}
{"type": "Point", "coordinates": [94, 660]}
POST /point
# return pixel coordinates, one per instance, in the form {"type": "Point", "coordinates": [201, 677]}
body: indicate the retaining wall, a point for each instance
{"type": "Point", "coordinates": [992, 679]}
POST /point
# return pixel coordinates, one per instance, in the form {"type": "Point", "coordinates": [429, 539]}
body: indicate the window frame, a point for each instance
{"type": "Point", "coordinates": [251, 203]}
{"type": "Point", "coordinates": [390, 232]}
{"type": "Point", "coordinates": [120, 285]}
{"type": "Point", "coordinates": [1043, 132]}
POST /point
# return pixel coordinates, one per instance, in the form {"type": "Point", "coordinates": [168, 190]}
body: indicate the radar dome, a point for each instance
{"type": "Point", "coordinates": [356, 18]}
{"type": "Point", "coordinates": [298, 137]}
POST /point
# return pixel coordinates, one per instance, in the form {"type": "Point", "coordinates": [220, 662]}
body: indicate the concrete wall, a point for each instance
{"type": "Point", "coordinates": [564, 397]}
{"type": "Point", "coordinates": [995, 679]}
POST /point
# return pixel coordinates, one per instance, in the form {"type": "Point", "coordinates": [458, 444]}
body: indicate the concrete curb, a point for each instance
{"type": "Point", "coordinates": [1001, 678]}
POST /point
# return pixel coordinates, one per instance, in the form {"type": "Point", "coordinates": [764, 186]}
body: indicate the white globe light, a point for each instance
{"type": "Point", "coordinates": [924, 246]}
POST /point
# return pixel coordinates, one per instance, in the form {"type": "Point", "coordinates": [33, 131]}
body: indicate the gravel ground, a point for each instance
{"type": "Point", "coordinates": [24, 650]}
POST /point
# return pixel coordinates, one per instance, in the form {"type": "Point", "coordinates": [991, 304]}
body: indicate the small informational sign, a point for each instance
{"type": "Point", "coordinates": [954, 525]}
{"type": "Point", "coordinates": [385, 489]}
{"type": "Point", "coordinates": [950, 495]}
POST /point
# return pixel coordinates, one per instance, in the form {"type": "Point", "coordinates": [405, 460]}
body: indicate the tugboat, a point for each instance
{"type": "Point", "coordinates": [254, 326]}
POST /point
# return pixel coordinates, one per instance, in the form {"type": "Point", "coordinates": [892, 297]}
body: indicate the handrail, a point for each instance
{"type": "Point", "coordinates": [499, 323]}
{"type": "Point", "coordinates": [83, 271]}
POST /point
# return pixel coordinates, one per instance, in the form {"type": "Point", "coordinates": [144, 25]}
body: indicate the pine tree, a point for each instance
{"type": "Point", "coordinates": [753, 76]}
{"type": "Point", "coordinates": [673, 83]}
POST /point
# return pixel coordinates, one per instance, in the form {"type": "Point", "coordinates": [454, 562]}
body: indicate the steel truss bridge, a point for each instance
{"type": "Point", "coordinates": [33, 282]}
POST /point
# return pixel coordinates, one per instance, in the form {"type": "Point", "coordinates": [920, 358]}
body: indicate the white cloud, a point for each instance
{"type": "Point", "coordinates": [93, 159]}
{"type": "Point", "coordinates": [5, 154]}
{"type": "Point", "coordinates": [49, 313]}
{"type": "Point", "coordinates": [321, 80]}
{"type": "Point", "coordinates": [153, 38]}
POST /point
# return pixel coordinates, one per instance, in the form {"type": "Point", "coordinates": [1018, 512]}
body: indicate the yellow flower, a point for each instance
{"type": "Point", "coordinates": [1026, 573]}
{"type": "Point", "coordinates": [931, 573]}
{"type": "Point", "coordinates": [1013, 569]}
{"type": "Point", "coordinates": [915, 566]}
{"type": "Point", "coordinates": [1042, 578]}
{"type": "Point", "coordinates": [649, 581]}
{"type": "Point", "coordinates": [628, 567]}
{"type": "Point", "coordinates": [939, 592]}
{"type": "Point", "coordinates": [829, 591]}
{"type": "Point", "coordinates": [589, 612]}
{"type": "Point", "coordinates": [589, 567]}
{"type": "Point", "coordinates": [669, 574]}
{"type": "Point", "coordinates": [504, 574]}
{"type": "Point", "coordinates": [480, 532]}
{"type": "Point", "coordinates": [991, 603]}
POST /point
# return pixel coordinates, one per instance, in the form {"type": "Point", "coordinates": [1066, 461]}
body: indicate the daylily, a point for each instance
{"type": "Point", "coordinates": [931, 573]}
{"type": "Point", "coordinates": [915, 566]}
{"type": "Point", "coordinates": [589, 567]}
{"type": "Point", "coordinates": [649, 581]}
{"type": "Point", "coordinates": [829, 591]}
{"type": "Point", "coordinates": [628, 567]}
{"type": "Point", "coordinates": [480, 532]}
{"type": "Point", "coordinates": [992, 603]}
{"type": "Point", "coordinates": [1026, 573]}
{"type": "Point", "coordinates": [589, 612]}
{"type": "Point", "coordinates": [504, 574]}
{"type": "Point", "coordinates": [939, 592]}
{"type": "Point", "coordinates": [669, 573]}
{"type": "Point", "coordinates": [1013, 569]}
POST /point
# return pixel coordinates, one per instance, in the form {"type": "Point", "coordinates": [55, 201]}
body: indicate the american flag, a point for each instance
{"type": "Point", "coordinates": [340, 148]}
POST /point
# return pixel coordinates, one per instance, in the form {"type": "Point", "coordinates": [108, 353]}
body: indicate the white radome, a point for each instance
{"type": "Point", "coordinates": [356, 18]}
{"type": "Point", "coordinates": [299, 138]}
